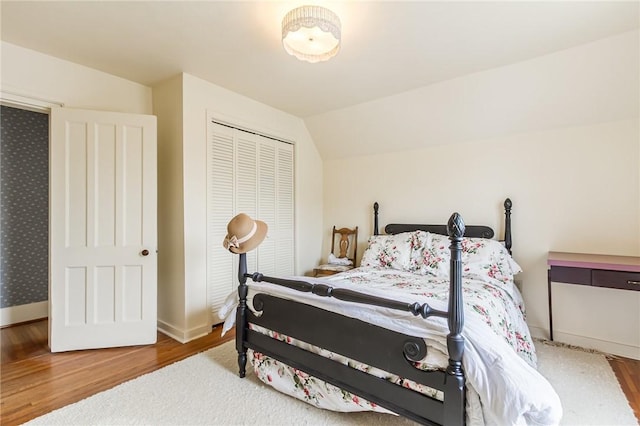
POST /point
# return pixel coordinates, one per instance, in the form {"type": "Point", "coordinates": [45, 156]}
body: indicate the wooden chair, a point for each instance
{"type": "Point", "coordinates": [348, 249]}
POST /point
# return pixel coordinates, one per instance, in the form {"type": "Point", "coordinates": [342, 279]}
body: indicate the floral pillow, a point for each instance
{"type": "Point", "coordinates": [396, 251]}
{"type": "Point", "coordinates": [435, 256]}
{"type": "Point", "coordinates": [481, 259]}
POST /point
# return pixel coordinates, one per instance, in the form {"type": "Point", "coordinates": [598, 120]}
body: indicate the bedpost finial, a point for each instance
{"type": "Point", "coordinates": [507, 204]}
{"type": "Point", "coordinates": [375, 218]}
{"type": "Point", "coordinates": [455, 226]}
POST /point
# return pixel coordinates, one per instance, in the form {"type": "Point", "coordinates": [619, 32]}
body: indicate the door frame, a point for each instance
{"type": "Point", "coordinates": [12, 315]}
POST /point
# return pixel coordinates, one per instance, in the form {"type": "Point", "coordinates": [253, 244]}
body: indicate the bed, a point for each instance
{"type": "Point", "coordinates": [390, 335]}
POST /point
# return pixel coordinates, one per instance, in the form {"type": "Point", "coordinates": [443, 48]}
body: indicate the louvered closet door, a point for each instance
{"type": "Point", "coordinates": [251, 174]}
{"type": "Point", "coordinates": [220, 208]}
{"type": "Point", "coordinates": [246, 185]}
{"type": "Point", "coordinates": [267, 207]}
{"type": "Point", "coordinates": [285, 223]}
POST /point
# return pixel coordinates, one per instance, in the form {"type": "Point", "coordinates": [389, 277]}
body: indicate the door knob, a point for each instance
{"type": "Point", "coordinates": [145, 252]}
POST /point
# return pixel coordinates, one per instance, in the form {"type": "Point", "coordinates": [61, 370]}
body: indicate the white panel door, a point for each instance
{"type": "Point", "coordinates": [103, 230]}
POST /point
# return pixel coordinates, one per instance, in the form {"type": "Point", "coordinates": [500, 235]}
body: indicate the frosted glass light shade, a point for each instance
{"type": "Point", "coordinates": [311, 33]}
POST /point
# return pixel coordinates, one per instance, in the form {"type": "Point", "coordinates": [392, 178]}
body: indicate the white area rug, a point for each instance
{"type": "Point", "coordinates": [205, 390]}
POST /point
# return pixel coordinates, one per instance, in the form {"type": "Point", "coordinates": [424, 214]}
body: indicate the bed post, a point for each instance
{"type": "Point", "coordinates": [375, 218]}
{"type": "Point", "coordinates": [241, 315]}
{"type": "Point", "coordinates": [507, 224]}
{"type": "Point", "coordinates": [455, 405]}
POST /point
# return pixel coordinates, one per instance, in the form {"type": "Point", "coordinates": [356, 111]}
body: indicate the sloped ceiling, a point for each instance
{"type": "Point", "coordinates": [388, 47]}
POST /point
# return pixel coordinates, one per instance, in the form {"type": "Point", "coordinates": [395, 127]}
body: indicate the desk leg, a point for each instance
{"type": "Point", "coordinates": [550, 305]}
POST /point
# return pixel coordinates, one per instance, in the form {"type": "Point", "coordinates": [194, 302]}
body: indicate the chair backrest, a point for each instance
{"type": "Point", "coordinates": [348, 238]}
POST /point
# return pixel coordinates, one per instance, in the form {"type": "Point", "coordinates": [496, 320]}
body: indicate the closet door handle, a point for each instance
{"type": "Point", "coordinates": [145, 252]}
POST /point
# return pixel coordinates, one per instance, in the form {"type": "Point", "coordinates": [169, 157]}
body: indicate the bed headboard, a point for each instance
{"type": "Point", "coordinates": [473, 231]}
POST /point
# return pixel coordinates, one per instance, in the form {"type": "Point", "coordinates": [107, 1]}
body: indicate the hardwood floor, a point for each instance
{"type": "Point", "coordinates": [628, 374]}
{"type": "Point", "coordinates": [35, 381]}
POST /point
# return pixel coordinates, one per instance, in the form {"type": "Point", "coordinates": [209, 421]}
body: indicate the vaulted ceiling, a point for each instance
{"type": "Point", "coordinates": [390, 50]}
{"type": "Point", "coordinates": [388, 47]}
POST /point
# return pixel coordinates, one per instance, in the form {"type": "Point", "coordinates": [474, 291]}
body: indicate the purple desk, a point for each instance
{"type": "Point", "coordinates": [597, 270]}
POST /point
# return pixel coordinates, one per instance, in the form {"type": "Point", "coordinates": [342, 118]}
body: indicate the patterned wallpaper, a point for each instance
{"type": "Point", "coordinates": [24, 206]}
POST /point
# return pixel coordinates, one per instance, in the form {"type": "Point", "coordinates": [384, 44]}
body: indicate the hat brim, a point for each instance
{"type": "Point", "coordinates": [253, 242]}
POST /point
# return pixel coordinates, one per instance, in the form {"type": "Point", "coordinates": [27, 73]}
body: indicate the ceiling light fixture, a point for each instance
{"type": "Point", "coordinates": [311, 33]}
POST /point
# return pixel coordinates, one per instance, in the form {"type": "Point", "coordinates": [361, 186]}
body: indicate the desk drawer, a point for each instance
{"type": "Point", "coordinates": [616, 279]}
{"type": "Point", "coordinates": [565, 274]}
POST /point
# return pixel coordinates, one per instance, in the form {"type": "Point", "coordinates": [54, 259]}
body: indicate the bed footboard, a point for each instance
{"type": "Point", "coordinates": [367, 343]}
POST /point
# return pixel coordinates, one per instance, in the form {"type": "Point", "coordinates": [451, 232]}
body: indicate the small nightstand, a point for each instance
{"type": "Point", "coordinates": [325, 272]}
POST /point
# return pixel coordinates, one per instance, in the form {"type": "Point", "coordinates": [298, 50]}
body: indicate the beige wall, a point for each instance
{"type": "Point", "coordinates": [167, 106]}
{"type": "Point", "coordinates": [190, 317]}
{"type": "Point", "coordinates": [31, 73]}
{"type": "Point", "coordinates": [575, 187]}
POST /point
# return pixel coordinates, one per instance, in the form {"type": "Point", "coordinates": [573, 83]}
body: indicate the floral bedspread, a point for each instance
{"type": "Point", "coordinates": [500, 307]}
{"type": "Point", "coordinates": [503, 386]}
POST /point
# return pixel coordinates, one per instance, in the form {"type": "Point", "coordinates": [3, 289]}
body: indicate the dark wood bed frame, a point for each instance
{"type": "Point", "coordinates": [364, 342]}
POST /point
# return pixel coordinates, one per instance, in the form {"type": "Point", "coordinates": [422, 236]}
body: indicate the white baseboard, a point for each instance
{"type": "Point", "coordinates": [613, 348]}
{"type": "Point", "coordinates": [183, 336]}
{"type": "Point", "coordinates": [23, 313]}
{"type": "Point", "coordinates": [34, 311]}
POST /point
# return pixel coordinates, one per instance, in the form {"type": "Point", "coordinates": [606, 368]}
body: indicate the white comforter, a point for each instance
{"type": "Point", "coordinates": [503, 386]}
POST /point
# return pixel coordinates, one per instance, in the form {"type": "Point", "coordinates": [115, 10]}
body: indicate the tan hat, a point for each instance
{"type": "Point", "coordinates": [244, 234]}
